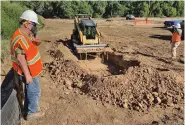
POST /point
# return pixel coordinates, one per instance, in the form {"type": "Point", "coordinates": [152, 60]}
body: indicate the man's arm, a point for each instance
{"type": "Point", "coordinates": [22, 61]}
{"type": "Point", "coordinates": [171, 29]}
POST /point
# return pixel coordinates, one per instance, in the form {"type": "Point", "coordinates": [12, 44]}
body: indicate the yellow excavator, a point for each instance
{"type": "Point", "coordinates": [86, 37]}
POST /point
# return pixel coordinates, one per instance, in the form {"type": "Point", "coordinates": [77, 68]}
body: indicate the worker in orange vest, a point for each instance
{"type": "Point", "coordinates": [26, 61]}
{"type": "Point", "coordinates": [176, 39]}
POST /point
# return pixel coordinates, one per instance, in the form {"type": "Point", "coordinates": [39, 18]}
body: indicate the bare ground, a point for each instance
{"type": "Point", "coordinates": [137, 85]}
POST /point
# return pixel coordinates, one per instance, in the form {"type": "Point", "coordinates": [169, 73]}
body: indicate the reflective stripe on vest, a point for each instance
{"type": "Point", "coordinates": [16, 40]}
{"type": "Point", "coordinates": [15, 62]}
{"type": "Point", "coordinates": [34, 60]}
{"type": "Point", "coordinates": [25, 43]}
{"type": "Point", "coordinates": [31, 62]}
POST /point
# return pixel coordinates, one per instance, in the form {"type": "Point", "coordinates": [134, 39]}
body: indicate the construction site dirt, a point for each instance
{"type": "Point", "coordinates": [138, 84]}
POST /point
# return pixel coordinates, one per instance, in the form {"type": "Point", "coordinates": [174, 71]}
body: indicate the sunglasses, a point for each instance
{"type": "Point", "coordinates": [34, 24]}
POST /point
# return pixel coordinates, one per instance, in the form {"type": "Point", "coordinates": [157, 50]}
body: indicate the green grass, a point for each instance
{"type": "Point", "coordinates": [5, 51]}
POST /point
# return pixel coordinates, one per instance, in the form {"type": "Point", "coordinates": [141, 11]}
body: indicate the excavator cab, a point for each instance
{"type": "Point", "coordinates": [88, 28]}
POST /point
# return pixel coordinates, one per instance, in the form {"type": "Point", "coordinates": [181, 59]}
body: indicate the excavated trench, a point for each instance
{"type": "Point", "coordinates": [118, 81]}
{"type": "Point", "coordinates": [121, 63]}
{"type": "Point", "coordinates": [103, 64]}
{"type": "Point", "coordinates": [108, 64]}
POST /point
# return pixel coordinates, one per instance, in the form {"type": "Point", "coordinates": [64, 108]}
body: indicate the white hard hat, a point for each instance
{"type": "Point", "coordinates": [177, 25]}
{"type": "Point", "coordinates": [30, 16]}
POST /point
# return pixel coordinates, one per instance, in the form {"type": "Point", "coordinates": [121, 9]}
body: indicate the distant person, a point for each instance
{"type": "Point", "coordinates": [176, 39]}
{"type": "Point", "coordinates": [26, 62]}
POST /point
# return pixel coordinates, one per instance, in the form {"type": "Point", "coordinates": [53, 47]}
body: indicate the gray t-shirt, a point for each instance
{"type": "Point", "coordinates": [179, 31]}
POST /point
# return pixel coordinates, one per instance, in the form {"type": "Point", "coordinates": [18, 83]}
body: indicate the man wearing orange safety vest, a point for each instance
{"type": "Point", "coordinates": [26, 61]}
{"type": "Point", "coordinates": [176, 39]}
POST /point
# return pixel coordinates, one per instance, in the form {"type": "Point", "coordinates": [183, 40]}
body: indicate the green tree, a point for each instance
{"type": "Point", "coordinates": [37, 6]}
{"type": "Point", "coordinates": [140, 8]}
{"type": "Point", "coordinates": [122, 10]}
{"type": "Point", "coordinates": [179, 5]}
{"type": "Point", "coordinates": [48, 11]}
{"type": "Point", "coordinates": [85, 8]}
{"type": "Point", "coordinates": [98, 8]}
{"type": "Point", "coordinates": [113, 8]}
{"type": "Point", "coordinates": [145, 10]}
{"type": "Point", "coordinates": [168, 9]}
{"type": "Point", "coordinates": [172, 12]}
{"type": "Point", "coordinates": [66, 9]}
{"type": "Point", "coordinates": [128, 7]}
{"type": "Point", "coordinates": [75, 7]}
{"type": "Point", "coordinates": [154, 9]}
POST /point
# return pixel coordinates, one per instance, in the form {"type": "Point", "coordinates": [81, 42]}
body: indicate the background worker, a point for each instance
{"type": "Point", "coordinates": [176, 39]}
{"type": "Point", "coordinates": [26, 61]}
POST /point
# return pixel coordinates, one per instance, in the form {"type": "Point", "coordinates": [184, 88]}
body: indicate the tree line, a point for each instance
{"type": "Point", "coordinates": [106, 9]}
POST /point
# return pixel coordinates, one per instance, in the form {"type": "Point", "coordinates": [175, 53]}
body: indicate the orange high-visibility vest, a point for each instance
{"type": "Point", "coordinates": [32, 54]}
{"type": "Point", "coordinates": [176, 37]}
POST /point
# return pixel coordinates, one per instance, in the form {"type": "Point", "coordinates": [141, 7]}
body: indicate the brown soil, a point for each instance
{"type": "Point", "coordinates": [137, 85]}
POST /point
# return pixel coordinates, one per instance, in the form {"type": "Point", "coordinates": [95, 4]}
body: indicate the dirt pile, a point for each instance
{"type": "Point", "coordinates": [64, 72]}
{"type": "Point", "coordinates": [140, 88]}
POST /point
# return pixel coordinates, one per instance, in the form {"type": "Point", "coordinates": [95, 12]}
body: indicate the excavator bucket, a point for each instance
{"type": "Point", "coordinates": [99, 48]}
{"type": "Point", "coordinates": [93, 50]}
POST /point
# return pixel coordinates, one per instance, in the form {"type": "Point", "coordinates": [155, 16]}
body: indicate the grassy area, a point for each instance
{"type": "Point", "coordinates": [10, 13]}
{"type": "Point", "coordinates": [5, 50]}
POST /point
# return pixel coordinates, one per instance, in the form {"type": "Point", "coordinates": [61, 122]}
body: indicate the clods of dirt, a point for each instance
{"type": "Point", "coordinates": [139, 88]}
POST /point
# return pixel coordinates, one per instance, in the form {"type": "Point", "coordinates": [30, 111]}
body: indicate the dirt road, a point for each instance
{"type": "Point", "coordinates": [138, 85]}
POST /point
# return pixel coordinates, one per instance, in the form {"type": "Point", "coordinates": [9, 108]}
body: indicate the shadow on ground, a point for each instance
{"type": "Point", "coordinates": [162, 37]}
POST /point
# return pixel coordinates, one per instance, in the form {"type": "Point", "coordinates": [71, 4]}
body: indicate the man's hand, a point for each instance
{"type": "Point", "coordinates": [28, 79]}
{"type": "Point", "coordinates": [36, 40]}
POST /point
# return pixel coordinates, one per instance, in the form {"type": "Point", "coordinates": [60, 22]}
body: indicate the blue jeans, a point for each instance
{"type": "Point", "coordinates": [32, 95]}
